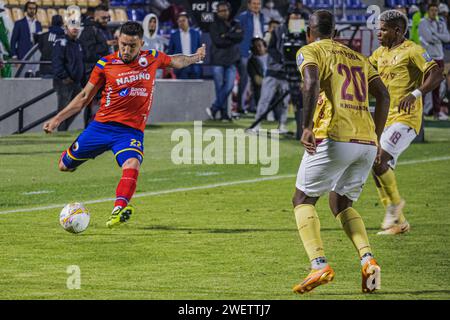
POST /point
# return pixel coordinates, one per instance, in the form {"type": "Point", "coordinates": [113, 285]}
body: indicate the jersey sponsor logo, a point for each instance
{"type": "Point", "coordinates": [124, 92]}
{"type": "Point", "coordinates": [133, 78]}
{"type": "Point", "coordinates": [133, 92]}
{"type": "Point", "coordinates": [143, 62]}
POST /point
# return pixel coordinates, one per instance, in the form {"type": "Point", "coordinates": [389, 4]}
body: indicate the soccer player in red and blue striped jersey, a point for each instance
{"type": "Point", "coordinates": [128, 78]}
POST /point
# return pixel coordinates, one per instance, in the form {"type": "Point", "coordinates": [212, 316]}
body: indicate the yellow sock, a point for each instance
{"type": "Point", "coordinates": [384, 197]}
{"type": "Point", "coordinates": [389, 185]}
{"type": "Point", "coordinates": [353, 226]}
{"type": "Point", "coordinates": [308, 225]}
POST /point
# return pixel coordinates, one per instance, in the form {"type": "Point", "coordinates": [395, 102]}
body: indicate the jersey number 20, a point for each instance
{"type": "Point", "coordinates": [356, 76]}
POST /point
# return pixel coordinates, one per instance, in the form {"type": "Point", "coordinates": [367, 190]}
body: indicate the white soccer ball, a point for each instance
{"type": "Point", "coordinates": [74, 217]}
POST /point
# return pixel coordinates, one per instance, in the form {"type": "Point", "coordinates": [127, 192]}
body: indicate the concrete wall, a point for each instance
{"type": "Point", "coordinates": [173, 101]}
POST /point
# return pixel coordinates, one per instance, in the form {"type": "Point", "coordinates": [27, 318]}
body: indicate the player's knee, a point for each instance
{"type": "Point", "coordinates": [301, 198]}
{"type": "Point", "coordinates": [132, 163]}
{"type": "Point", "coordinates": [62, 167]}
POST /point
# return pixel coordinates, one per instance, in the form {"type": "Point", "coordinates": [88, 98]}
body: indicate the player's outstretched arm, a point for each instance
{"type": "Point", "coordinates": [433, 79]}
{"type": "Point", "coordinates": [181, 61]}
{"type": "Point", "coordinates": [75, 106]}
{"type": "Point", "coordinates": [381, 94]}
{"type": "Point", "coordinates": [311, 90]}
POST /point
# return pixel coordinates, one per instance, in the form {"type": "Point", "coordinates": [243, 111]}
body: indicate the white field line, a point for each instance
{"type": "Point", "coordinates": [209, 186]}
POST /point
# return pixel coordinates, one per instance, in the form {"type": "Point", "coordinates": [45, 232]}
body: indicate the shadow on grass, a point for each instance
{"type": "Point", "coordinates": [231, 230]}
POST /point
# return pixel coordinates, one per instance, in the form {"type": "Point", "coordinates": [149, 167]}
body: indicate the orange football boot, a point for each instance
{"type": "Point", "coordinates": [315, 279]}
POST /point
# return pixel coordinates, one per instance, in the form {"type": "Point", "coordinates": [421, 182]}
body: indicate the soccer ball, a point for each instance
{"type": "Point", "coordinates": [74, 217]}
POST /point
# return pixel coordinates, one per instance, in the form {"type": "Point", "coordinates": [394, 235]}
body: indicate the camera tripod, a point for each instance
{"type": "Point", "coordinates": [296, 98]}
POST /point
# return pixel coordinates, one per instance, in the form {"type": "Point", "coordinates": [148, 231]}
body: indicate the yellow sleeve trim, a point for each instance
{"type": "Point", "coordinates": [434, 64]}
{"type": "Point", "coordinates": [308, 64]}
{"type": "Point", "coordinates": [129, 149]}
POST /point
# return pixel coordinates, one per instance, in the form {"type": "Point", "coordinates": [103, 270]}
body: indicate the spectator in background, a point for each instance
{"type": "Point", "coordinates": [226, 34]}
{"type": "Point", "coordinates": [304, 11]}
{"type": "Point", "coordinates": [152, 39]}
{"type": "Point", "coordinates": [46, 42]}
{"type": "Point", "coordinates": [273, 24]}
{"type": "Point", "coordinates": [23, 36]}
{"type": "Point", "coordinates": [101, 18]}
{"type": "Point", "coordinates": [252, 23]}
{"type": "Point", "coordinates": [88, 17]}
{"type": "Point", "coordinates": [433, 33]}
{"type": "Point", "coordinates": [443, 14]}
{"type": "Point", "coordinates": [257, 66]}
{"type": "Point", "coordinates": [96, 41]}
{"type": "Point", "coordinates": [5, 27]}
{"type": "Point", "coordinates": [68, 68]}
{"type": "Point", "coordinates": [275, 76]}
{"type": "Point", "coordinates": [186, 41]}
{"type": "Point", "coordinates": [270, 12]}
{"type": "Point", "coordinates": [416, 19]}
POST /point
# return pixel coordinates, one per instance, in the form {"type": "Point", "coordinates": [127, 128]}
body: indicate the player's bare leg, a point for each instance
{"type": "Point", "coordinates": [394, 221]}
{"type": "Point", "coordinates": [125, 190]}
{"type": "Point", "coordinates": [354, 227]}
{"type": "Point", "coordinates": [308, 225]}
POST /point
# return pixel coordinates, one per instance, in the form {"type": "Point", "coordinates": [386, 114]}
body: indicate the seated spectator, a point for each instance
{"type": "Point", "coordinates": [23, 35]}
{"type": "Point", "coordinates": [257, 66]}
{"type": "Point", "coordinates": [270, 12]}
{"type": "Point", "coordinates": [185, 40]}
{"type": "Point", "coordinates": [46, 41]}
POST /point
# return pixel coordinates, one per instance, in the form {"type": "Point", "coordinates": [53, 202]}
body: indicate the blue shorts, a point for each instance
{"type": "Point", "coordinates": [125, 142]}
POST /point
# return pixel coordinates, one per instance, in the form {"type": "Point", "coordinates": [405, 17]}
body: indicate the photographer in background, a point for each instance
{"type": "Point", "coordinates": [226, 34]}
{"type": "Point", "coordinates": [276, 75]}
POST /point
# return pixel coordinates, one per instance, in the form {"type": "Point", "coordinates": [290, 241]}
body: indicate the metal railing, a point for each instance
{"type": "Point", "coordinates": [20, 111]}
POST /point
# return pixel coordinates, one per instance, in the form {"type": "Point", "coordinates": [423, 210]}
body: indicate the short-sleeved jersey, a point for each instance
{"type": "Point", "coordinates": [402, 71]}
{"type": "Point", "coordinates": [344, 82]}
{"type": "Point", "coordinates": [128, 87]}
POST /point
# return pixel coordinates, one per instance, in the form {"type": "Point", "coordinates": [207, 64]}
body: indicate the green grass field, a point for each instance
{"type": "Point", "coordinates": [237, 241]}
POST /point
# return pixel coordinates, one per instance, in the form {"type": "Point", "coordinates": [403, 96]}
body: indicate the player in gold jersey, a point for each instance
{"type": "Point", "coordinates": [403, 66]}
{"type": "Point", "coordinates": [341, 140]}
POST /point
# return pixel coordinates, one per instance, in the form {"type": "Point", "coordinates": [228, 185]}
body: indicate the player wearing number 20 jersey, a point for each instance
{"type": "Point", "coordinates": [340, 140]}
{"type": "Point", "coordinates": [344, 81]}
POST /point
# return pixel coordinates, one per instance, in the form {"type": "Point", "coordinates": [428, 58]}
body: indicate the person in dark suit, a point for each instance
{"type": "Point", "coordinates": [23, 35]}
{"type": "Point", "coordinates": [186, 41]}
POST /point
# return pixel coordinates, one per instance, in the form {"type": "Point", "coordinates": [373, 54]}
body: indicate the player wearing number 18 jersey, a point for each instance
{"type": "Point", "coordinates": [408, 72]}
{"type": "Point", "coordinates": [341, 140]}
{"type": "Point", "coordinates": [128, 78]}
